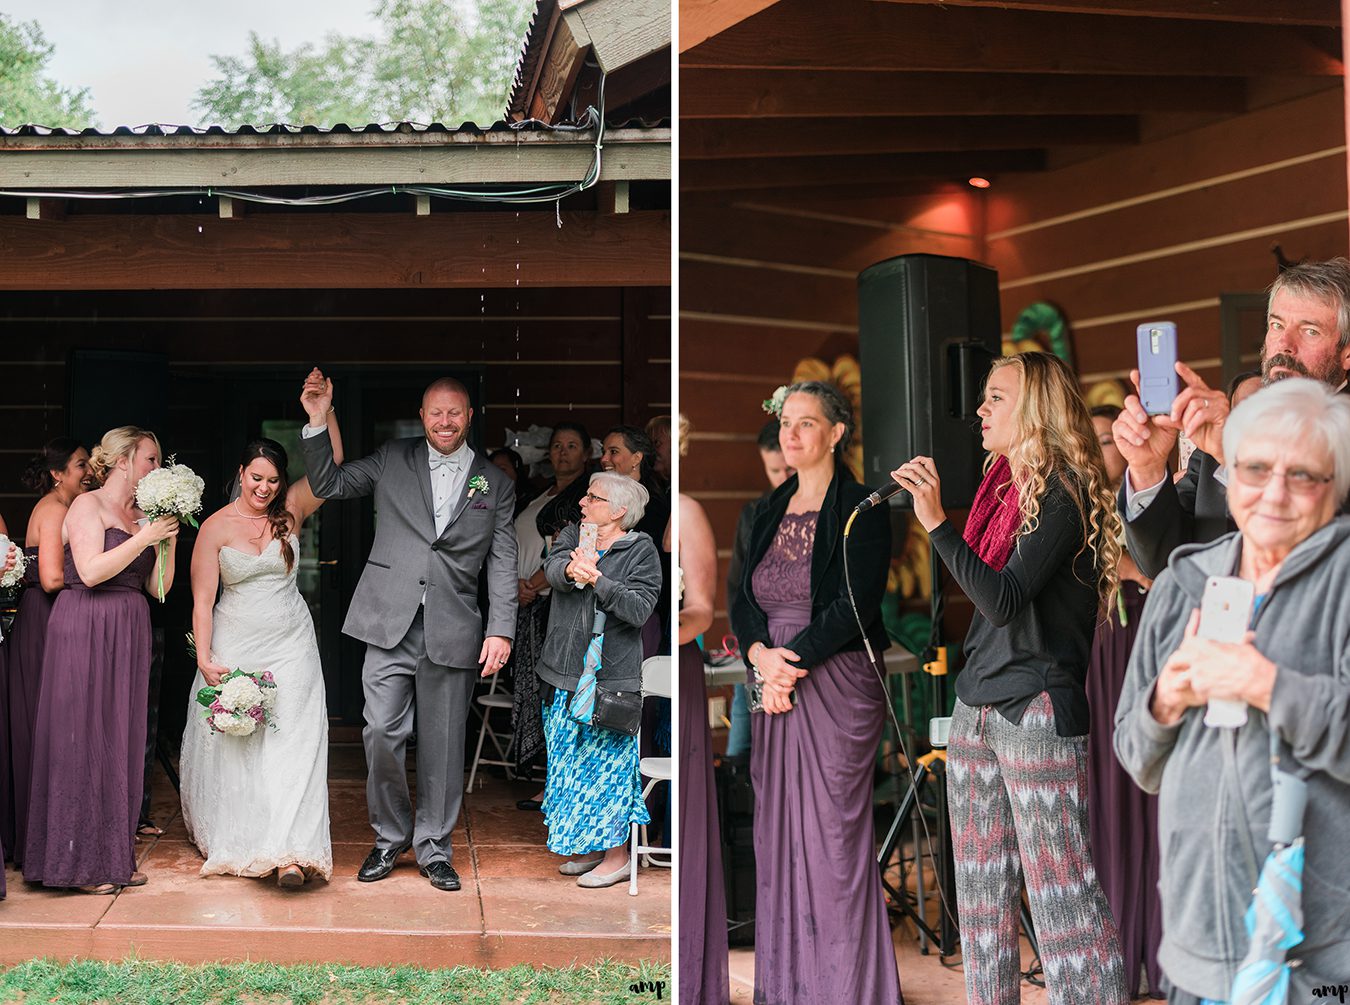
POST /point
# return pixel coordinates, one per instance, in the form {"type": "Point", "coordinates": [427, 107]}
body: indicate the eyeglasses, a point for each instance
{"type": "Point", "coordinates": [1299, 481]}
{"type": "Point", "coordinates": [595, 498]}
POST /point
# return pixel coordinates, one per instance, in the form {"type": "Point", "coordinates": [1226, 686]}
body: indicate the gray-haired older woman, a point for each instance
{"type": "Point", "coordinates": [1289, 467]}
{"type": "Point", "coordinates": [593, 794]}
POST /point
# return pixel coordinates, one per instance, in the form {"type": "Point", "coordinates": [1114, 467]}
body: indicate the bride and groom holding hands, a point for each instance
{"type": "Point", "coordinates": [259, 804]}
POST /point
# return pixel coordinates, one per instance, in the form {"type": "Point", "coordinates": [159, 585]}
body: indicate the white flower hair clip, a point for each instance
{"type": "Point", "coordinates": [774, 405]}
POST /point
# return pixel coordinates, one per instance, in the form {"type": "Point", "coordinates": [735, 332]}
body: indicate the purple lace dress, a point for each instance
{"type": "Point", "coordinates": [26, 645]}
{"type": "Point", "coordinates": [89, 740]}
{"type": "Point", "coordinates": [821, 932]}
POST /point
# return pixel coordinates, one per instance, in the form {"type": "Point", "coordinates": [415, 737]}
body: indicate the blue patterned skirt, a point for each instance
{"type": "Point", "coordinates": [593, 792]}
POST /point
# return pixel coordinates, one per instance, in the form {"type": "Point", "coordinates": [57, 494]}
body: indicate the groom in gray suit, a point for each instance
{"type": "Point", "coordinates": [444, 515]}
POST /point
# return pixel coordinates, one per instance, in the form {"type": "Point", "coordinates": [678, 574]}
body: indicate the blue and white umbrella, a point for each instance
{"type": "Point", "coordinates": [1274, 926]}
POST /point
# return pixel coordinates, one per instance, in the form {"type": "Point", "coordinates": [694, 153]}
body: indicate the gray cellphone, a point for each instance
{"type": "Point", "coordinates": [1157, 344]}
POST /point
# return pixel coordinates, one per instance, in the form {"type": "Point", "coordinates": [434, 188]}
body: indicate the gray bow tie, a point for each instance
{"type": "Point", "coordinates": [439, 460]}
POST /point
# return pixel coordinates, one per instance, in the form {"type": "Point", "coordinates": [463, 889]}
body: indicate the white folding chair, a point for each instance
{"type": "Point", "coordinates": [657, 672]}
{"type": "Point", "coordinates": [500, 699]}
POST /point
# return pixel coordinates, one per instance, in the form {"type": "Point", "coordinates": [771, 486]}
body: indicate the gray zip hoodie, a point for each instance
{"type": "Point", "coordinates": [1214, 784]}
{"type": "Point", "coordinates": [627, 591]}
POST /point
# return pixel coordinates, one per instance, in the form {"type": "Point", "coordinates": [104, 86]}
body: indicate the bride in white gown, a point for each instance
{"type": "Point", "coordinates": [258, 804]}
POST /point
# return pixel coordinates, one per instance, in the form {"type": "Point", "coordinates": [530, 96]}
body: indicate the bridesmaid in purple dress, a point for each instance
{"type": "Point", "coordinates": [821, 931]}
{"type": "Point", "coordinates": [6, 563]}
{"type": "Point", "coordinates": [58, 473]}
{"type": "Point", "coordinates": [89, 739]}
{"type": "Point", "coordinates": [1122, 817]}
{"type": "Point", "coordinates": [703, 904]}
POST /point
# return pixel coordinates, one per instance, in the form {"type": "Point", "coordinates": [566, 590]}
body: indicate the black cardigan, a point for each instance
{"type": "Point", "coordinates": [832, 628]}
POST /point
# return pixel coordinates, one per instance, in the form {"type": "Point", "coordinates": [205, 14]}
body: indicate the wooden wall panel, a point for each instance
{"type": "Point", "coordinates": [601, 355]}
{"type": "Point", "coordinates": [1209, 215]}
{"type": "Point", "coordinates": [1246, 142]}
{"type": "Point", "coordinates": [1244, 267]}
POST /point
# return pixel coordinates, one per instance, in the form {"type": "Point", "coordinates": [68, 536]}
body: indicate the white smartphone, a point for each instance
{"type": "Point", "coordinates": [1225, 615]}
{"type": "Point", "coordinates": [588, 538]}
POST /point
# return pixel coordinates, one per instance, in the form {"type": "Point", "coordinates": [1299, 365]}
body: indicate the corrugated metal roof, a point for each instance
{"type": "Point", "coordinates": [531, 51]}
{"type": "Point", "coordinates": [340, 129]}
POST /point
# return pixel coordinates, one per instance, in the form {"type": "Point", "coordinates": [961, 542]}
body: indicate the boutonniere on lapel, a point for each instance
{"type": "Point", "coordinates": [478, 484]}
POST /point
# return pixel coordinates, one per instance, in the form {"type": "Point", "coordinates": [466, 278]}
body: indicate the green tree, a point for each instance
{"type": "Point", "coordinates": [27, 94]}
{"type": "Point", "coordinates": [434, 61]}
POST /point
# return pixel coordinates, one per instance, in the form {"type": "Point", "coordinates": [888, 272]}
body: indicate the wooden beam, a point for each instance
{"type": "Point", "coordinates": [708, 139]}
{"type": "Point", "coordinates": [1321, 13]}
{"type": "Point", "coordinates": [619, 32]}
{"type": "Point", "coordinates": [760, 93]}
{"type": "Point", "coordinates": [751, 173]}
{"type": "Point", "coordinates": [700, 20]}
{"type": "Point", "coordinates": [323, 251]}
{"type": "Point", "coordinates": [557, 75]}
{"type": "Point", "coordinates": [629, 154]}
{"type": "Point", "coordinates": [807, 34]}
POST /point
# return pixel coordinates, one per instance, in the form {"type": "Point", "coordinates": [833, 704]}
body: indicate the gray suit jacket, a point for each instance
{"type": "Point", "coordinates": [408, 558]}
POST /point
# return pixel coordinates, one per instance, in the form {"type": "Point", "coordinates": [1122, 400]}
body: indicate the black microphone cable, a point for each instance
{"type": "Point", "coordinates": [890, 710]}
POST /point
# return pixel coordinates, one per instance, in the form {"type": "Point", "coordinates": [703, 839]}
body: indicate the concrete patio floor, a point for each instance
{"type": "Point", "coordinates": [514, 907]}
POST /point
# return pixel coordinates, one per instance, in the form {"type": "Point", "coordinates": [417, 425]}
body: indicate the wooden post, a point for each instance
{"type": "Point", "coordinates": [423, 206]}
{"type": "Point", "coordinates": [45, 209]}
{"type": "Point", "coordinates": [230, 209]}
{"type": "Point", "coordinates": [1345, 42]}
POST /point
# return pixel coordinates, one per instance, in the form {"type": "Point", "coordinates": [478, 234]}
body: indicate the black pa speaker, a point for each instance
{"type": "Point", "coordinates": [928, 328]}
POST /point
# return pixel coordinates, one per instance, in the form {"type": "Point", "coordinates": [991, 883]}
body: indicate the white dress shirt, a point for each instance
{"type": "Point", "coordinates": [449, 474]}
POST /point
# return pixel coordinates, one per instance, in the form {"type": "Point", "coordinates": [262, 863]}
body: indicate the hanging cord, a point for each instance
{"type": "Point", "coordinates": [895, 722]}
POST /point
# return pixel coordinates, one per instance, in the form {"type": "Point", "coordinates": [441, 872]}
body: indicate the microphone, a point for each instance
{"type": "Point", "coordinates": [880, 496]}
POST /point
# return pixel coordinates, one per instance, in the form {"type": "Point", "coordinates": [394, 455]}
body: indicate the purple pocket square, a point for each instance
{"type": "Point", "coordinates": [480, 506]}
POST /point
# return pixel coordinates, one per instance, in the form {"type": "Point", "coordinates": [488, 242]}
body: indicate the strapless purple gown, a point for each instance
{"type": "Point", "coordinates": [26, 645]}
{"type": "Point", "coordinates": [89, 739]}
{"type": "Point", "coordinates": [822, 936]}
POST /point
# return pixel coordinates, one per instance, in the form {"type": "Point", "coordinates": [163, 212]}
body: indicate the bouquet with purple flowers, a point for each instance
{"type": "Point", "coordinates": [241, 703]}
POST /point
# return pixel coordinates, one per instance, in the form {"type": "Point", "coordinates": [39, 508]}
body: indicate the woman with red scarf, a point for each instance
{"type": "Point", "coordinates": [1038, 560]}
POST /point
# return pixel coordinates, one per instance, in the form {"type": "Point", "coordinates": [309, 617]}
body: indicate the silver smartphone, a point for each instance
{"type": "Point", "coordinates": [587, 539]}
{"type": "Point", "coordinates": [1225, 615]}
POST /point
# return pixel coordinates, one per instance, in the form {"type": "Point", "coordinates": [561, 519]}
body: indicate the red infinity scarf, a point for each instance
{"type": "Point", "coordinates": [991, 528]}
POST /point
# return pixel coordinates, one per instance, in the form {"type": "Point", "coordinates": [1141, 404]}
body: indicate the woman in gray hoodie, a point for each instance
{"type": "Point", "coordinates": [1287, 453]}
{"type": "Point", "coordinates": [601, 599]}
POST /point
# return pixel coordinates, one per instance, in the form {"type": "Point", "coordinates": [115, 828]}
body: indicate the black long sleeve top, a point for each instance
{"type": "Point", "coordinates": [1034, 619]}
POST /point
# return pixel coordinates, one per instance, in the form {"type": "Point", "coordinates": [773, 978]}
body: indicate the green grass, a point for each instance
{"type": "Point", "coordinates": [138, 982]}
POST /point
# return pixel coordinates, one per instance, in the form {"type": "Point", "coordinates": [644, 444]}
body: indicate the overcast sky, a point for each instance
{"type": "Point", "coordinates": [143, 60]}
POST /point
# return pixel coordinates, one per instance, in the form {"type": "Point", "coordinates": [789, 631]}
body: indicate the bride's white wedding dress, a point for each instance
{"type": "Point", "coordinates": [254, 803]}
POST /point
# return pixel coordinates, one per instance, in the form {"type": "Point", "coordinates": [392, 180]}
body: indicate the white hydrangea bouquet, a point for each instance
{"type": "Point", "coordinates": [9, 583]}
{"type": "Point", "coordinates": [240, 703]}
{"type": "Point", "coordinates": [14, 576]}
{"type": "Point", "coordinates": [173, 490]}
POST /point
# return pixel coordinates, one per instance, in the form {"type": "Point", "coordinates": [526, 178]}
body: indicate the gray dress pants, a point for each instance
{"type": "Point", "coordinates": [394, 681]}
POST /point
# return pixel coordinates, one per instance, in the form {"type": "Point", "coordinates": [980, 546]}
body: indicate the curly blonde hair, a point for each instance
{"type": "Point", "coordinates": [116, 444]}
{"type": "Point", "coordinates": [1053, 438]}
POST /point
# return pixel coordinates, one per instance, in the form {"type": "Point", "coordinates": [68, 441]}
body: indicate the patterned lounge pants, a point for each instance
{"type": "Point", "coordinates": [1018, 804]}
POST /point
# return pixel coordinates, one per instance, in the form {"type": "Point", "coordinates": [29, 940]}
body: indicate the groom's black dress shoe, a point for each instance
{"type": "Point", "coordinates": [380, 863]}
{"type": "Point", "coordinates": [442, 875]}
